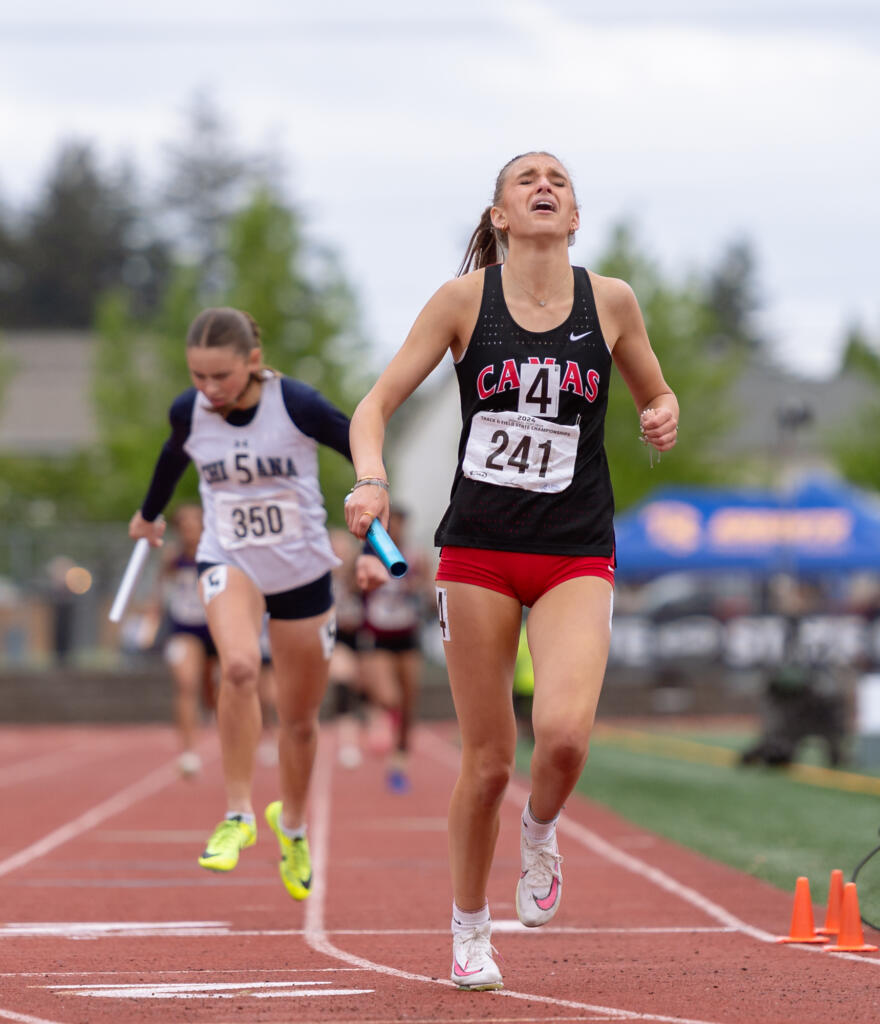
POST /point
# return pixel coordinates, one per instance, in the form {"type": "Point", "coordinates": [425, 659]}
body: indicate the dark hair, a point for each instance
{"type": "Point", "coordinates": [225, 327]}
{"type": "Point", "coordinates": [488, 245]}
{"type": "Point", "coordinates": [221, 327]}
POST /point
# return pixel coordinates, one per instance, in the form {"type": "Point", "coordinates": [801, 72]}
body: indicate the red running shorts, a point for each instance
{"type": "Point", "coordinates": [525, 577]}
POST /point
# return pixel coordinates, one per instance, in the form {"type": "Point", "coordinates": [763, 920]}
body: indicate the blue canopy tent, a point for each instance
{"type": "Point", "coordinates": [820, 526]}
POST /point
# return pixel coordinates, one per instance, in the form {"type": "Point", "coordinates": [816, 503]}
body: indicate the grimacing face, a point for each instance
{"type": "Point", "coordinates": [536, 199]}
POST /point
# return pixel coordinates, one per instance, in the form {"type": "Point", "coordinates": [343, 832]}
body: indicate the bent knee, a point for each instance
{"type": "Point", "coordinates": [242, 671]}
{"type": "Point", "coordinates": [565, 749]}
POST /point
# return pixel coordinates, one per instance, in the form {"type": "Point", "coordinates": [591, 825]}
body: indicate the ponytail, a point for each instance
{"type": "Point", "coordinates": [485, 247]}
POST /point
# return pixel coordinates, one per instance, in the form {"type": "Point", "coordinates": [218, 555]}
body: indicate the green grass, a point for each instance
{"type": "Point", "coordinates": [761, 821]}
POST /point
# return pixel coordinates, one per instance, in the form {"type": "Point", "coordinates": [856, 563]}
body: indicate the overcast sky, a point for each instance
{"type": "Point", "coordinates": [701, 122]}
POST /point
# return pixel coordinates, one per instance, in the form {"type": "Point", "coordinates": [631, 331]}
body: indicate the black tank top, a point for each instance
{"type": "Point", "coordinates": [532, 474]}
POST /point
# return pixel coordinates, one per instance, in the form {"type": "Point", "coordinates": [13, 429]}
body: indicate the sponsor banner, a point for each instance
{"type": "Point", "coordinates": [748, 641]}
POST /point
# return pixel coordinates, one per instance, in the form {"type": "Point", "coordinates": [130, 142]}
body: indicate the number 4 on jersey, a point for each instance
{"type": "Point", "coordinates": [539, 389]}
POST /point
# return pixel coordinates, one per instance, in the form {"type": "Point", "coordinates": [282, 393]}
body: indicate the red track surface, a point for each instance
{"type": "Point", "coordinates": [105, 915]}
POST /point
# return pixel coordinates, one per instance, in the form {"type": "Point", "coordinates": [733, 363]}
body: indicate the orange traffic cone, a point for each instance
{"type": "Point", "coordinates": [802, 928]}
{"type": "Point", "coordinates": [835, 903]}
{"type": "Point", "coordinates": [851, 938]}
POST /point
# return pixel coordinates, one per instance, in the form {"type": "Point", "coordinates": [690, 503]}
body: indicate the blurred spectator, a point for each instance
{"type": "Point", "coordinates": [346, 683]}
{"type": "Point", "coordinates": [61, 602]}
{"type": "Point", "coordinates": [801, 699]}
{"type": "Point", "coordinates": [189, 650]}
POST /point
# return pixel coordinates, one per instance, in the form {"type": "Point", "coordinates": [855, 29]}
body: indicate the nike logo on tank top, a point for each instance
{"type": "Point", "coordinates": [532, 474]}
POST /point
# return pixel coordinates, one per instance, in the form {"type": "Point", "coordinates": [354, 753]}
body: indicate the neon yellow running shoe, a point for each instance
{"type": "Point", "coordinates": [296, 864]}
{"type": "Point", "coordinates": [228, 839]}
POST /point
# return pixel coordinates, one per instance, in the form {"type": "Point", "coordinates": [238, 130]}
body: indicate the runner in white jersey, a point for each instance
{"type": "Point", "coordinates": [189, 650]}
{"type": "Point", "coordinates": [529, 522]}
{"type": "Point", "coordinates": [253, 437]}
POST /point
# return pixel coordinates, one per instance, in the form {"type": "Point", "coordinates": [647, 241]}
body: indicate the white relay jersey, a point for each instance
{"type": "Point", "coordinates": [261, 499]}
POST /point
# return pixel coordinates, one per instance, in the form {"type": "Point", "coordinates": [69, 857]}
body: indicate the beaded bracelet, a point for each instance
{"type": "Point", "coordinates": [373, 481]}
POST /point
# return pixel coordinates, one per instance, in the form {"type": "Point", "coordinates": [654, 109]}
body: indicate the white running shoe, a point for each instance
{"type": "Point", "coordinates": [472, 964]}
{"type": "Point", "coordinates": [349, 756]}
{"type": "Point", "coordinates": [539, 889]}
{"type": "Point", "coordinates": [189, 764]}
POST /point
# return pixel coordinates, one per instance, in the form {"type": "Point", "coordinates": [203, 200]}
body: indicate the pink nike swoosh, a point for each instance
{"type": "Point", "coordinates": [546, 902]}
{"type": "Point", "coordinates": [462, 972]}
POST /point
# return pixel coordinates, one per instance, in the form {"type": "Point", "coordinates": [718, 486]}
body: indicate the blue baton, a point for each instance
{"type": "Point", "coordinates": [388, 552]}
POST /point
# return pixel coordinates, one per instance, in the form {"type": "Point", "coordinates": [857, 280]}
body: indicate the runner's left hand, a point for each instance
{"type": "Point", "coordinates": [659, 428]}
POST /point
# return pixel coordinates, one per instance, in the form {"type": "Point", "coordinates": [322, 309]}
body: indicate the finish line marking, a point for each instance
{"type": "Point", "coordinates": [209, 990]}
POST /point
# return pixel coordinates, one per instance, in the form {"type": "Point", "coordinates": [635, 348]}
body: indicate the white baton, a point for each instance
{"type": "Point", "coordinates": [133, 570]}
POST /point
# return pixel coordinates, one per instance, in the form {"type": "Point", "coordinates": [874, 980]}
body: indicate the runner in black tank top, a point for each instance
{"type": "Point", "coordinates": [529, 522]}
{"type": "Point", "coordinates": [558, 376]}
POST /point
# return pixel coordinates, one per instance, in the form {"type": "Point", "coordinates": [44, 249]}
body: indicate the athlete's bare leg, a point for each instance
{"type": "Point", "coordinates": [301, 656]}
{"type": "Point", "coordinates": [235, 617]}
{"type": "Point", "coordinates": [185, 656]}
{"type": "Point", "coordinates": [569, 634]}
{"type": "Point", "coordinates": [383, 699]}
{"type": "Point", "coordinates": [480, 654]}
{"type": "Point", "coordinates": [408, 668]}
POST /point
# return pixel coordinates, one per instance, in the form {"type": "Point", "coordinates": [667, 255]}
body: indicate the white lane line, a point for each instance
{"type": "Point", "coordinates": [160, 972]}
{"type": "Point", "coordinates": [210, 990]}
{"type": "Point", "coordinates": [125, 798]}
{"type": "Point", "coordinates": [171, 987]}
{"type": "Point", "coordinates": [73, 929]}
{"type": "Point", "coordinates": [317, 937]}
{"type": "Point", "coordinates": [254, 990]}
{"type": "Point", "coordinates": [24, 1018]}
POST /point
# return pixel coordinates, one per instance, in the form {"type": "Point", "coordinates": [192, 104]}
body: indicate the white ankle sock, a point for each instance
{"type": "Point", "coordinates": [465, 920]}
{"type": "Point", "coordinates": [293, 833]}
{"type": "Point", "coordinates": [538, 831]}
{"type": "Point", "coordinates": [248, 819]}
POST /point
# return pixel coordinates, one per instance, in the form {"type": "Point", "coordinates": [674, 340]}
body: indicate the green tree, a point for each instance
{"type": "Point", "coordinates": [85, 234]}
{"type": "Point", "coordinates": [209, 180]}
{"type": "Point", "coordinates": [732, 293]}
{"type": "Point", "coordinates": [861, 354]}
{"type": "Point", "coordinates": [137, 374]}
{"type": "Point", "coordinates": [684, 329]}
{"type": "Point", "coordinates": [854, 445]}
